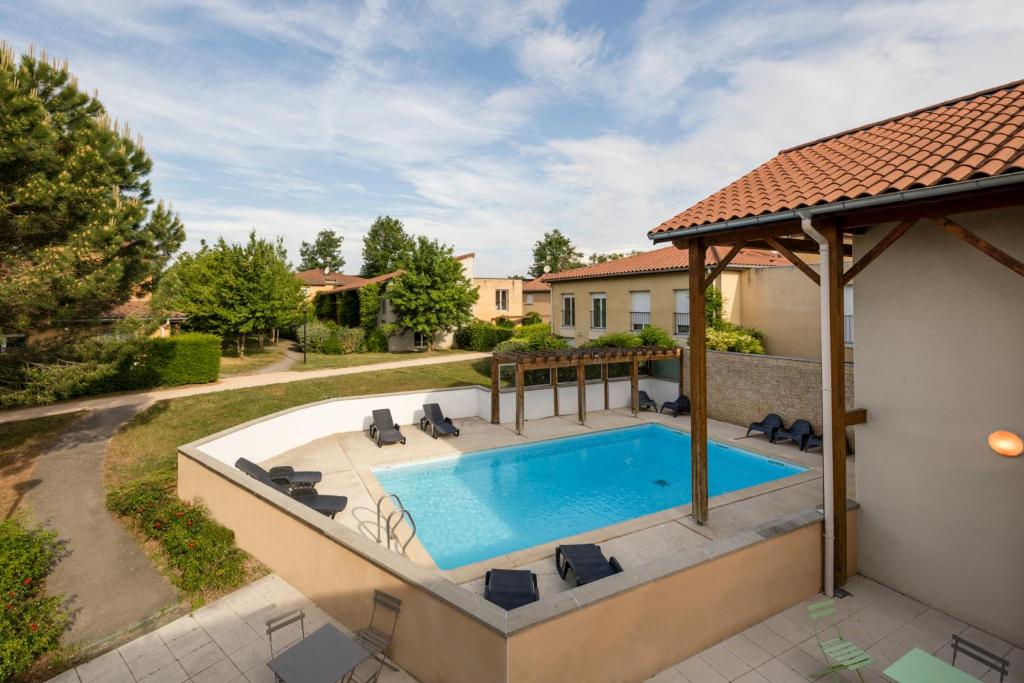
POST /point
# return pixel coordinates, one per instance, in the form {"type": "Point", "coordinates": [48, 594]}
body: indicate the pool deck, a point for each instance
{"type": "Point", "coordinates": [346, 460]}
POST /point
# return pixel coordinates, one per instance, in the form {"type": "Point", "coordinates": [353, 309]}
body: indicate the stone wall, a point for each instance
{"type": "Point", "coordinates": [743, 387]}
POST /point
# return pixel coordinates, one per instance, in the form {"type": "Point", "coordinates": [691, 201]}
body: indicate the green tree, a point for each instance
{"type": "Point", "coordinates": [557, 252]}
{"type": "Point", "coordinates": [234, 290]}
{"type": "Point", "coordinates": [432, 295]}
{"type": "Point", "coordinates": [385, 245]}
{"type": "Point", "coordinates": [596, 258]}
{"type": "Point", "coordinates": [324, 252]}
{"type": "Point", "coordinates": [79, 232]}
{"type": "Point", "coordinates": [369, 307]}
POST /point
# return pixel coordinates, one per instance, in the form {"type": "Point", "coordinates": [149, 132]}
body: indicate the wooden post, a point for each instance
{"type": "Point", "coordinates": [495, 393]}
{"type": "Point", "coordinates": [698, 385]}
{"type": "Point", "coordinates": [520, 399]}
{"type": "Point", "coordinates": [604, 376]}
{"type": "Point", "coordinates": [634, 386]}
{"type": "Point", "coordinates": [581, 392]}
{"type": "Point", "coordinates": [554, 387]}
{"type": "Point", "coordinates": [834, 235]}
{"type": "Point", "coordinates": [682, 373]}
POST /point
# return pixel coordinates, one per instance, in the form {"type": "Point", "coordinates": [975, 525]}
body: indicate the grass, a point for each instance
{"type": "Point", "coordinates": [255, 358]}
{"type": "Point", "coordinates": [320, 361]}
{"type": "Point", "coordinates": [20, 443]}
{"type": "Point", "coordinates": [148, 444]}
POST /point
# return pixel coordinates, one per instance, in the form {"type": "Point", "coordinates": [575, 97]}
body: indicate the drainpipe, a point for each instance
{"type": "Point", "coordinates": [826, 400]}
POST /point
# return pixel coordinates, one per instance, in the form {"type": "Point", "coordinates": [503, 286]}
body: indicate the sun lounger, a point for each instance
{"type": "Point", "coordinates": [384, 430]}
{"type": "Point", "coordinates": [511, 588]}
{"type": "Point", "coordinates": [814, 441]}
{"type": "Point", "coordinates": [646, 401]}
{"type": "Point", "coordinates": [768, 426]}
{"type": "Point", "coordinates": [283, 475]}
{"type": "Point", "coordinates": [325, 505]}
{"type": "Point", "coordinates": [680, 405]}
{"type": "Point", "coordinates": [438, 423]}
{"type": "Point", "coordinates": [798, 432]}
{"type": "Point", "coordinates": [586, 562]}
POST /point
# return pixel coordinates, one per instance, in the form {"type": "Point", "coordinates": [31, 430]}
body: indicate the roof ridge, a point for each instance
{"type": "Point", "coordinates": [946, 103]}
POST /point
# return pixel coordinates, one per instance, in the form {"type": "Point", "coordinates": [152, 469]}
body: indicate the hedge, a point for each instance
{"type": "Point", "coordinates": [481, 336]}
{"type": "Point", "coordinates": [188, 358]}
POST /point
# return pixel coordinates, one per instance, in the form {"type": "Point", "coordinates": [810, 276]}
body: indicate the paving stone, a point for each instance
{"type": "Point", "coordinates": [260, 673]}
{"type": "Point", "coordinates": [69, 676]}
{"type": "Point", "coordinates": [777, 672]}
{"type": "Point", "coordinates": [153, 660]}
{"type": "Point", "coordinates": [767, 639]}
{"type": "Point", "coordinates": [248, 656]}
{"type": "Point", "coordinates": [141, 647]}
{"type": "Point", "coordinates": [202, 658]}
{"type": "Point", "coordinates": [104, 665]}
{"type": "Point", "coordinates": [696, 670]}
{"type": "Point", "coordinates": [747, 650]}
{"type": "Point", "coordinates": [668, 676]}
{"type": "Point", "coordinates": [752, 677]}
{"type": "Point", "coordinates": [172, 673]}
{"type": "Point", "coordinates": [235, 640]}
{"type": "Point", "coordinates": [189, 642]}
{"type": "Point", "coordinates": [724, 661]}
{"type": "Point", "coordinates": [221, 672]}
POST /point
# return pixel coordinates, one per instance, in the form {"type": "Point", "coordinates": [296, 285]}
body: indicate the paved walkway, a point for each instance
{"type": "Point", "coordinates": [221, 643]}
{"type": "Point", "coordinates": [226, 384]}
{"type": "Point", "coordinates": [110, 582]}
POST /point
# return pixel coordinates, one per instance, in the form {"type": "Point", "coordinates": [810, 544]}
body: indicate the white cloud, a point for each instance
{"type": "Point", "coordinates": [559, 57]}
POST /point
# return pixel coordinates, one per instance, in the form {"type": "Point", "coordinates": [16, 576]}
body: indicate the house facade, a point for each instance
{"type": "Point", "coordinates": [537, 298]}
{"type": "Point", "coordinates": [317, 280]}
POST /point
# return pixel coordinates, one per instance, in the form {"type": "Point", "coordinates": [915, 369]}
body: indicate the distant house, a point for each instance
{"type": "Point", "coordinates": [317, 280]}
{"type": "Point", "coordinates": [537, 298]}
{"type": "Point", "coordinates": [652, 288]}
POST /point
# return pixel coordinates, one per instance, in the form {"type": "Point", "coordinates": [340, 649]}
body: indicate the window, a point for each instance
{"type": "Point", "coordinates": [529, 299]}
{"type": "Point", "coordinates": [501, 299]}
{"type": "Point", "coordinates": [568, 310]}
{"type": "Point", "coordinates": [419, 340]}
{"type": "Point", "coordinates": [598, 311]}
{"type": "Point", "coordinates": [639, 310]}
{"type": "Point", "coordinates": [848, 315]}
{"type": "Point", "coordinates": [682, 328]}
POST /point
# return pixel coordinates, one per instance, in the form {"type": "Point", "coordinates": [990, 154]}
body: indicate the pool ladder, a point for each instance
{"type": "Point", "coordinates": [390, 530]}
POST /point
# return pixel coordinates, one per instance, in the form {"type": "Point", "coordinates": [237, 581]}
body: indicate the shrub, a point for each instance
{"type": "Point", "coordinates": [200, 552]}
{"type": "Point", "coordinates": [314, 334]}
{"type": "Point", "coordinates": [369, 307]}
{"type": "Point", "coordinates": [331, 346]}
{"type": "Point", "coordinates": [31, 622]}
{"type": "Point", "coordinates": [621, 340]}
{"type": "Point", "coordinates": [731, 340]}
{"type": "Point", "coordinates": [652, 335]}
{"type": "Point", "coordinates": [481, 336]}
{"type": "Point", "coordinates": [532, 318]}
{"type": "Point", "coordinates": [189, 358]}
{"type": "Point", "coordinates": [376, 341]}
{"type": "Point", "coordinates": [504, 323]}
{"type": "Point", "coordinates": [350, 339]}
{"type": "Point", "coordinates": [531, 330]}
{"type": "Point", "coordinates": [514, 344]}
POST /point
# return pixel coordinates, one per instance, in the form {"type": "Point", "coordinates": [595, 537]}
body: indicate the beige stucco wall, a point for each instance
{"type": "Point", "coordinates": [541, 304]}
{"type": "Point", "coordinates": [730, 284]}
{"type": "Point", "coordinates": [939, 366]}
{"type": "Point", "coordinates": [782, 302]}
{"type": "Point", "coordinates": [484, 308]}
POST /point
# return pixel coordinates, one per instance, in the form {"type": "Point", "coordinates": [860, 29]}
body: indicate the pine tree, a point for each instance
{"type": "Point", "coordinates": [324, 252]}
{"type": "Point", "coordinates": [384, 246]}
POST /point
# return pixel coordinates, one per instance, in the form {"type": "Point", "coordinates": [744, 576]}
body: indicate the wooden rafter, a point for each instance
{"type": "Point", "coordinates": [874, 252]}
{"type": "Point", "coordinates": [984, 246]}
{"type": "Point", "coordinates": [722, 263]}
{"type": "Point", "coordinates": [698, 386]}
{"type": "Point", "coordinates": [795, 260]}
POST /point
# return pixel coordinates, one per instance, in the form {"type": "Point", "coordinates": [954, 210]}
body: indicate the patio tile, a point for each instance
{"type": "Point", "coordinates": [260, 673]}
{"type": "Point", "coordinates": [767, 639]}
{"type": "Point", "coordinates": [171, 673]}
{"type": "Point", "coordinates": [784, 627]}
{"type": "Point", "coordinates": [777, 672]}
{"type": "Point", "coordinates": [141, 647]}
{"type": "Point", "coordinates": [189, 642]}
{"type": "Point", "coordinates": [223, 671]}
{"type": "Point", "coordinates": [724, 661]}
{"type": "Point", "coordinates": [236, 639]}
{"type": "Point", "coordinates": [932, 629]}
{"type": "Point", "coordinates": [752, 677]}
{"type": "Point", "coordinates": [104, 665]}
{"type": "Point", "coordinates": [202, 658]}
{"type": "Point", "coordinates": [69, 676]}
{"type": "Point", "coordinates": [153, 660]}
{"type": "Point", "coordinates": [747, 650]}
{"type": "Point", "coordinates": [801, 662]}
{"type": "Point", "coordinates": [669, 675]}
{"type": "Point", "coordinates": [696, 670]}
{"type": "Point", "coordinates": [255, 652]}
{"type": "Point", "coordinates": [177, 628]}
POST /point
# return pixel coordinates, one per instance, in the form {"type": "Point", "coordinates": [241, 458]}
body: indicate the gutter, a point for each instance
{"type": "Point", "coordinates": [845, 205]}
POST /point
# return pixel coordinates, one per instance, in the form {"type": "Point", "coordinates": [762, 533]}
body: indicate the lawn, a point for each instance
{"type": "Point", "coordinates": [20, 443]}
{"type": "Point", "coordinates": [320, 361]}
{"type": "Point", "coordinates": [148, 444]}
{"type": "Point", "coordinates": [254, 359]}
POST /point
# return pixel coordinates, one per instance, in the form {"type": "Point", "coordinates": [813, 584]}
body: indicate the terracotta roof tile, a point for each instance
{"type": "Point", "coordinates": [539, 284]}
{"type": "Point", "coordinates": [667, 259]}
{"type": "Point", "coordinates": [974, 136]}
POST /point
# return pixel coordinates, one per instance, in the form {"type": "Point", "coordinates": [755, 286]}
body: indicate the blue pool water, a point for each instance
{"type": "Point", "coordinates": [473, 507]}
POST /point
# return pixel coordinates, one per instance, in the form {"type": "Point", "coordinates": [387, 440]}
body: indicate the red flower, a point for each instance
{"type": "Point", "coordinates": [189, 523]}
{"type": "Point", "coordinates": [27, 581]}
{"type": "Point", "coordinates": [33, 627]}
{"type": "Point", "coordinates": [156, 525]}
{"type": "Point", "coordinates": [191, 545]}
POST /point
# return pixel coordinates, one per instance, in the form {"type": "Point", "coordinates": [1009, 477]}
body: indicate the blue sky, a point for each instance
{"type": "Point", "coordinates": [485, 123]}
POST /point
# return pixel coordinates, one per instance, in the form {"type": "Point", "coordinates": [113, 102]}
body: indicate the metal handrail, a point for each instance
{"type": "Point", "coordinates": [380, 501]}
{"type": "Point", "coordinates": [402, 514]}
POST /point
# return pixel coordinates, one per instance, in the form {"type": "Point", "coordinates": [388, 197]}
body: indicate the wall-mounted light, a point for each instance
{"type": "Point", "coordinates": [1006, 443]}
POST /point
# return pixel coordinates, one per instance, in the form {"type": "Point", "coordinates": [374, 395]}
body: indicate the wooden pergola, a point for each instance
{"type": "Point", "coordinates": [786, 234]}
{"type": "Point", "coordinates": [579, 359]}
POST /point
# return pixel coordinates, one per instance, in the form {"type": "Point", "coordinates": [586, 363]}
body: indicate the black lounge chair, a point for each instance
{"type": "Point", "coordinates": [283, 474]}
{"type": "Point", "coordinates": [768, 426]}
{"type": "Point", "coordinates": [384, 430]}
{"type": "Point", "coordinates": [438, 423]}
{"type": "Point", "coordinates": [646, 401]}
{"type": "Point", "coordinates": [586, 562]}
{"type": "Point", "coordinates": [814, 441]}
{"type": "Point", "coordinates": [680, 405]}
{"type": "Point", "coordinates": [799, 432]}
{"type": "Point", "coordinates": [511, 588]}
{"type": "Point", "coordinates": [325, 505]}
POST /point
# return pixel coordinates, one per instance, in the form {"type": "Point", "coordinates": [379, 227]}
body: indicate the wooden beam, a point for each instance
{"type": "Point", "coordinates": [581, 392]}
{"type": "Point", "coordinates": [554, 387]}
{"type": "Point", "coordinates": [837, 352]}
{"type": "Point", "coordinates": [698, 386]}
{"type": "Point", "coordinates": [797, 261]}
{"type": "Point", "coordinates": [857, 416]}
{"type": "Point", "coordinates": [796, 245]}
{"type": "Point", "coordinates": [495, 393]}
{"type": "Point", "coordinates": [984, 246]}
{"type": "Point", "coordinates": [874, 252]}
{"type": "Point", "coordinates": [710, 278]}
{"type": "Point", "coordinates": [682, 374]}
{"type": "Point", "coordinates": [634, 386]}
{"type": "Point", "coordinates": [520, 399]}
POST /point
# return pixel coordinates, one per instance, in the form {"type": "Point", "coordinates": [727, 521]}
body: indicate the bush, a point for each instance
{"type": "Point", "coordinates": [531, 330]}
{"type": "Point", "coordinates": [532, 318]}
{"type": "Point", "coordinates": [376, 341]}
{"type": "Point", "coordinates": [504, 323]}
{"type": "Point", "coordinates": [350, 339]}
{"type": "Point", "coordinates": [481, 336]}
{"type": "Point", "coordinates": [514, 344]}
{"type": "Point", "coordinates": [314, 334]}
{"type": "Point", "coordinates": [188, 358]}
{"type": "Point", "coordinates": [733, 340]}
{"type": "Point", "coordinates": [31, 622]}
{"type": "Point", "coordinates": [620, 340]}
{"type": "Point", "coordinates": [652, 335]}
{"type": "Point", "coordinates": [200, 553]}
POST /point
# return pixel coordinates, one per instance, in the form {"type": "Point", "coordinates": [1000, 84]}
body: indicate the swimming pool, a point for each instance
{"type": "Point", "coordinates": [472, 507]}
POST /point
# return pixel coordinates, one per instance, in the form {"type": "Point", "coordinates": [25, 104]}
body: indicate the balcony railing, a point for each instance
{"type": "Point", "coordinates": [848, 330]}
{"type": "Point", "coordinates": [638, 320]}
{"type": "Point", "coordinates": [682, 324]}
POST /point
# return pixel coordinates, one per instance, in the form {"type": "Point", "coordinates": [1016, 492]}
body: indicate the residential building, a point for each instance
{"type": "Point", "coordinates": [318, 280]}
{"type": "Point", "coordinates": [537, 298]}
{"type": "Point", "coordinates": [933, 201]}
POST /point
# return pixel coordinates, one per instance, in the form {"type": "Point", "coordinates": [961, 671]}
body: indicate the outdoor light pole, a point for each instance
{"type": "Point", "coordinates": [305, 332]}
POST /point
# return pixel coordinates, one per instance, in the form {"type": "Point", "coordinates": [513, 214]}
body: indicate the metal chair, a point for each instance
{"type": "Point", "coordinates": [377, 636]}
{"type": "Point", "coordinates": [846, 655]}
{"type": "Point", "coordinates": [279, 622]}
{"type": "Point", "coordinates": [980, 654]}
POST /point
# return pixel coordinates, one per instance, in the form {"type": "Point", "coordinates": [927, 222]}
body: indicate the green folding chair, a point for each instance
{"type": "Point", "coordinates": [846, 655]}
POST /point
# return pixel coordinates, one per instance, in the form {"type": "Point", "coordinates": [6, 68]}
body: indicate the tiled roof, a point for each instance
{"type": "Point", "coordinates": [316, 277]}
{"type": "Point", "coordinates": [536, 285]}
{"type": "Point", "coordinates": [358, 282]}
{"type": "Point", "coordinates": [667, 259]}
{"type": "Point", "coordinates": [975, 136]}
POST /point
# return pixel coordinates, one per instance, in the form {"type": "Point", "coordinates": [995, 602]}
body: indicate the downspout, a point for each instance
{"type": "Point", "coordinates": [826, 400]}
